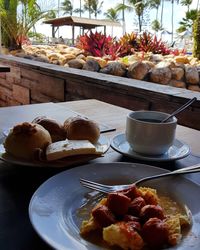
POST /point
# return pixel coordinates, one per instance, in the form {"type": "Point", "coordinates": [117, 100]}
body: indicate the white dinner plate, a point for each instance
{"type": "Point", "coordinates": [177, 151]}
{"type": "Point", "coordinates": [103, 143]}
{"type": "Point", "coordinates": [54, 207]}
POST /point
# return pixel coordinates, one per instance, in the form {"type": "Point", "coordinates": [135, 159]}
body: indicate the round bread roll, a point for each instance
{"type": "Point", "coordinates": [55, 128]}
{"type": "Point", "coordinates": [80, 128]}
{"type": "Point", "coordinates": [25, 139]}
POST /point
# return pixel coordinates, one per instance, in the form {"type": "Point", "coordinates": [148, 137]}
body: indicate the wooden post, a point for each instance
{"type": "Point", "coordinates": [53, 31]}
{"type": "Point", "coordinates": [72, 34]}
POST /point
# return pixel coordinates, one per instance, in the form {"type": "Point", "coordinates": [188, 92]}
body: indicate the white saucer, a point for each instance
{"type": "Point", "coordinates": [177, 151]}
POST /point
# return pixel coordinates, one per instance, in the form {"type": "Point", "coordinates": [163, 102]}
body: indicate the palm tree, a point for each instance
{"type": "Point", "coordinates": [186, 3]}
{"type": "Point", "coordinates": [197, 5]}
{"type": "Point", "coordinates": [96, 7]}
{"type": "Point", "coordinates": [112, 14]}
{"type": "Point", "coordinates": [155, 25]}
{"type": "Point", "coordinates": [88, 6]}
{"type": "Point", "coordinates": [172, 16]}
{"type": "Point", "coordinates": [172, 19]}
{"type": "Point", "coordinates": [8, 19]}
{"type": "Point", "coordinates": [51, 14]}
{"type": "Point", "coordinates": [122, 7]}
{"type": "Point", "coordinates": [161, 13]}
{"type": "Point", "coordinates": [79, 10]}
{"type": "Point", "coordinates": [67, 7]}
{"type": "Point", "coordinates": [123, 19]}
{"type": "Point", "coordinates": [17, 24]}
{"type": "Point", "coordinates": [188, 21]}
{"type": "Point", "coordinates": [139, 6]}
{"type": "Point", "coordinates": [155, 4]}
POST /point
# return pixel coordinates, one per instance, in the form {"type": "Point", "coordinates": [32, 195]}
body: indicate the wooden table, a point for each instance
{"type": "Point", "coordinates": [17, 184]}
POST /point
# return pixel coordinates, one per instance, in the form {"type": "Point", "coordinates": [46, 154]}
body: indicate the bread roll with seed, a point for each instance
{"type": "Point", "coordinates": [81, 128]}
{"type": "Point", "coordinates": [25, 139]}
{"type": "Point", "coordinates": [54, 127]}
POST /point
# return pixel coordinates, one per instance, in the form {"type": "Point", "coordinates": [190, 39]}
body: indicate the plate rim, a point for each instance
{"type": "Point", "coordinates": [68, 173]}
{"type": "Point", "coordinates": [149, 158]}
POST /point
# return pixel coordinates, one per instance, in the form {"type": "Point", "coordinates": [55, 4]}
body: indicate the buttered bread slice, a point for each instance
{"type": "Point", "coordinates": [61, 149]}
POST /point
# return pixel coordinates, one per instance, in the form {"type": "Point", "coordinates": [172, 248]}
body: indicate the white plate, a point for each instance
{"type": "Point", "coordinates": [177, 151]}
{"type": "Point", "coordinates": [53, 207]}
{"type": "Point", "coordinates": [103, 142]}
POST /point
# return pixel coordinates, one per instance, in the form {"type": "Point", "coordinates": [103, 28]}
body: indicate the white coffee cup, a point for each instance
{"type": "Point", "coordinates": [147, 135]}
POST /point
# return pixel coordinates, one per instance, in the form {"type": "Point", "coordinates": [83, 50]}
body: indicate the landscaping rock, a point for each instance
{"type": "Point", "coordinates": [76, 63]}
{"type": "Point", "coordinates": [191, 74]}
{"type": "Point", "coordinates": [91, 65]}
{"type": "Point", "coordinates": [41, 59]}
{"type": "Point", "coordinates": [177, 84]}
{"type": "Point", "coordinates": [194, 87]}
{"type": "Point", "coordinates": [198, 69]}
{"type": "Point", "coordinates": [66, 58]}
{"type": "Point", "coordinates": [177, 73]}
{"type": "Point", "coordinates": [102, 62]}
{"type": "Point", "coordinates": [138, 70]}
{"type": "Point", "coordinates": [81, 56]}
{"type": "Point", "coordinates": [156, 58]}
{"type": "Point", "coordinates": [180, 65]}
{"type": "Point", "coordinates": [193, 61]}
{"type": "Point", "coordinates": [150, 64]}
{"type": "Point", "coordinates": [161, 73]}
{"type": "Point", "coordinates": [168, 63]}
{"type": "Point", "coordinates": [114, 68]}
{"type": "Point", "coordinates": [181, 59]}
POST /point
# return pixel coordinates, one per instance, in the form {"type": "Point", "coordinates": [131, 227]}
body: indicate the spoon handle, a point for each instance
{"type": "Point", "coordinates": [196, 166]}
{"type": "Point", "coordinates": [180, 109]}
{"type": "Point", "coordinates": [186, 170]}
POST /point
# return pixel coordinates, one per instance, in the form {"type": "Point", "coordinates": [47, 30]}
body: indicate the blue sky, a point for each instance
{"type": "Point", "coordinates": [179, 13]}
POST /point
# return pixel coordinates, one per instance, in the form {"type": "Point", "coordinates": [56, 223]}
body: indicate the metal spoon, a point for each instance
{"type": "Point", "coordinates": [187, 104]}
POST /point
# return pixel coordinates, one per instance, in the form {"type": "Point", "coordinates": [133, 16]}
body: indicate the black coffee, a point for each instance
{"type": "Point", "coordinates": [149, 120]}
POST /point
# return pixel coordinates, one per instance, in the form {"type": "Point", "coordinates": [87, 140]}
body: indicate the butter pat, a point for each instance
{"type": "Point", "coordinates": [61, 149]}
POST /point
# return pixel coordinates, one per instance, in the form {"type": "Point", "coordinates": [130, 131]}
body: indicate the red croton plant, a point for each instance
{"type": "Point", "coordinates": [100, 45]}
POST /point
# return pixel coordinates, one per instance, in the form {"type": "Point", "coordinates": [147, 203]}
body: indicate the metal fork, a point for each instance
{"type": "Point", "coordinates": [113, 188]}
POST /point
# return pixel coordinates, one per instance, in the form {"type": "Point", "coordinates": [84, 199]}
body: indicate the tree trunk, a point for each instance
{"type": "Point", "coordinates": [161, 17]}
{"type": "Point", "coordinates": [89, 11]}
{"type": "Point", "coordinates": [197, 5]}
{"type": "Point", "coordinates": [123, 20]}
{"type": "Point", "coordinates": [156, 14]}
{"type": "Point", "coordinates": [172, 21]}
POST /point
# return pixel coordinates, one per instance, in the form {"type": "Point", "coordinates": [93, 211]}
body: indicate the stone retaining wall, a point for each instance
{"type": "Point", "coordinates": [35, 82]}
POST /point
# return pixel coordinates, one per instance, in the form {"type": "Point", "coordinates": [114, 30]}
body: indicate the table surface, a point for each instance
{"type": "Point", "coordinates": [17, 184]}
